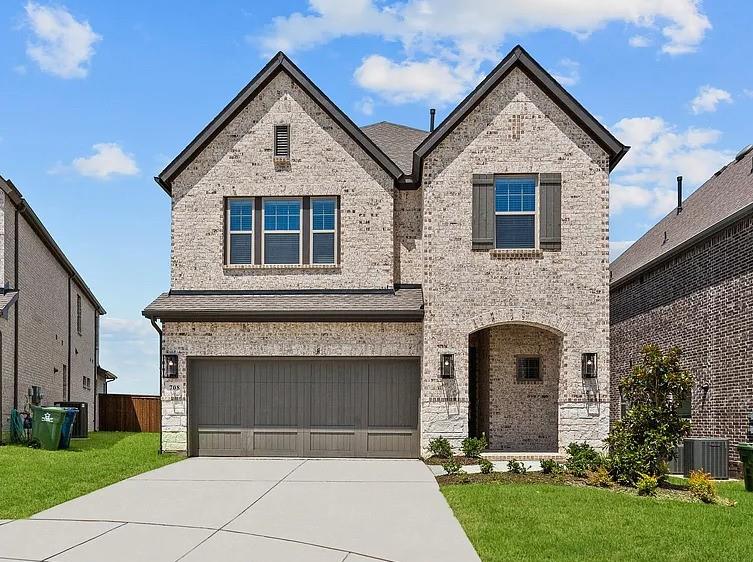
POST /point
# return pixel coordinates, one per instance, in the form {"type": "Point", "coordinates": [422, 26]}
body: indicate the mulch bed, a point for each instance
{"type": "Point", "coordinates": [666, 490]}
{"type": "Point", "coordinates": [460, 459]}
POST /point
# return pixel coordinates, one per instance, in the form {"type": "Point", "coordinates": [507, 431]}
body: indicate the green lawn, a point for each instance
{"type": "Point", "coordinates": [555, 522]}
{"type": "Point", "coordinates": [32, 480]}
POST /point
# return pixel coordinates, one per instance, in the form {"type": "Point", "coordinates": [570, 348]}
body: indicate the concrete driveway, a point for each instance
{"type": "Point", "coordinates": [268, 510]}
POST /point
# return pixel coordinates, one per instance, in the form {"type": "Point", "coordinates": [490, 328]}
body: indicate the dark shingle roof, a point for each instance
{"type": "Point", "coordinates": [399, 305]}
{"type": "Point", "coordinates": [7, 298]}
{"type": "Point", "coordinates": [728, 192]}
{"type": "Point", "coordinates": [396, 141]}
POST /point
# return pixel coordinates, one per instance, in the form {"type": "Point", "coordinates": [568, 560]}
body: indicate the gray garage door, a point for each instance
{"type": "Point", "coordinates": [326, 407]}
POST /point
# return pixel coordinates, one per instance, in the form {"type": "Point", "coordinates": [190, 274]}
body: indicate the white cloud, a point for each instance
{"type": "Point", "coordinates": [410, 80]}
{"type": "Point", "coordinates": [62, 45]}
{"type": "Point", "coordinates": [616, 247]}
{"type": "Point", "coordinates": [108, 160]}
{"type": "Point", "coordinates": [659, 152]}
{"type": "Point", "coordinates": [748, 92]}
{"type": "Point", "coordinates": [639, 41]}
{"type": "Point", "coordinates": [459, 37]}
{"type": "Point", "coordinates": [709, 98]}
{"type": "Point", "coordinates": [570, 73]}
{"type": "Point", "coordinates": [20, 69]}
{"type": "Point", "coordinates": [366, 105]}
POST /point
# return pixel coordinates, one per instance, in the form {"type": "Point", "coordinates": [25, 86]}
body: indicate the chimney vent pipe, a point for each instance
{"type": "Point", "coordinates": [679, 194]}
{"type": "Point", "coordinates": [432, 113]}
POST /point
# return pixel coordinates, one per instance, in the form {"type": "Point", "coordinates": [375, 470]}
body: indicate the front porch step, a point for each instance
{"type": "Point", "coordinates": [527, 456]}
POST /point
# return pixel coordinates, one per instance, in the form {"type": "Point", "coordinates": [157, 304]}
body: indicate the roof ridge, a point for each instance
{"type": "Point", "coordinates": [384, 122]}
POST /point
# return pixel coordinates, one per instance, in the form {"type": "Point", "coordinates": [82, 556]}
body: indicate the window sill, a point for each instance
{"type": "Point", "coordinates": [237, 267]}
{"type": "Point", "coordinates": [532, 253]}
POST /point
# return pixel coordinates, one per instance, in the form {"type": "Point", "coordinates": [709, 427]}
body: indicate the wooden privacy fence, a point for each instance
{"type": "Point", "coordinates": [128, 412]}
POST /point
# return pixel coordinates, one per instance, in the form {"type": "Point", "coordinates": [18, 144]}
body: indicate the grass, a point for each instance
{"type": "Point", "coordinates": [32, 480]}
{"type": "Point", "coordinates": [557, 522]}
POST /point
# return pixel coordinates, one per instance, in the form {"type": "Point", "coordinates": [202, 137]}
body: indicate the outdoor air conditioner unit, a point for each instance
{"type": "Point", "coordinates": [80, 429]}
{"type": "Point", "coordinates": [709, 455]}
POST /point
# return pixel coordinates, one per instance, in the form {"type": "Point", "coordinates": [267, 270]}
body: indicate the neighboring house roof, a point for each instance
{"type": "Point", "coordinates": [722, 200]}
{"type": "Point", "coordinates": [279, 63]}
{"type": "Point", "coordinates": [396, 141]}
{"type": "Point", "coordinates": [404, 304]}
{"type": "Point", "coordinates": [104, 373]}
{"type": "Point", "coordinates": [7, 298]}
{"type": "Point", "coordinates": [36, 224]}
{"type": "Point", "coordinates": [398, 149]}
{"type": "Point", "coordinates": [519, 58]}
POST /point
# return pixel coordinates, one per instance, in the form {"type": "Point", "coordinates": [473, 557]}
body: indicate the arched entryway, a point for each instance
{"type": "Point", "coordinates": [514, 378]}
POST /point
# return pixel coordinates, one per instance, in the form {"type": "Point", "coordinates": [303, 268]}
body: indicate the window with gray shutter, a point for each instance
{"type": "Point", "coordinates": [515, 212]}
{"type": "Point", "coordinates": [550, 230]}
{"type": "Point", "coordinates": [483, 212]}
{"type": "Point", "coordinates": [282, 141]}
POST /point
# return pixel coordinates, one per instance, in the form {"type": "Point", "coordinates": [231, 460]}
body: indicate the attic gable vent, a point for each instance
{"type": "Point", "coordinates": [282, 141]}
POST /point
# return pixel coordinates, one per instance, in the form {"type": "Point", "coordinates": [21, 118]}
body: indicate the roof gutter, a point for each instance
{"type": "Point", "coordinates": [686, 245]}
{"type": "Point", "coordinates": [285, 316]}
{"type": "Point", "coordinates": [36, 224]}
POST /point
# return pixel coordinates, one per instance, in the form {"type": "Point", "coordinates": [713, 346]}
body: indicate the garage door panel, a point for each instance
{"type": "Point", "coordinates": [278, 387]}
{"type": "Point", "coordinates": [329, 407]}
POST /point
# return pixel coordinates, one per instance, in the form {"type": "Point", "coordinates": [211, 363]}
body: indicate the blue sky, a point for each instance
{"type": "Point", "coordinates": [96, 97]}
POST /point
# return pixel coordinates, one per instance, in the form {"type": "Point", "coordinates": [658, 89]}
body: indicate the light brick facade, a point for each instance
{"type": "Point", "coordinates": [43, 310]}
{"type": "Point", "coordinates": [555, 301]}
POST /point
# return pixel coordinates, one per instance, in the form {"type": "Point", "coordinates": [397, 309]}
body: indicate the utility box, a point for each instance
{"type": "Point", "coordinates": [677, 464]}
{"type": "Point", "coordinates": [80, 428]}
{"type": "Point", "coordinates": [707, 454]}
{"type": "Point", "coordinates": [750, 427]}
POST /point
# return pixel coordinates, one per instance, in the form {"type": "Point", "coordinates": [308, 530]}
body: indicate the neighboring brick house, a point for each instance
{"type": "Point", "coordinates": [688, 282]}
{"type": "Point", "coordinates": [338, 291]}
{"type": "Point", "coordinates": [49, 330]}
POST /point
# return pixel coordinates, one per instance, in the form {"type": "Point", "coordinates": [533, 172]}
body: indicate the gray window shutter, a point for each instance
{"type": "Point", "coordinates": [483, 211]}
{"type": "Point", "coordinates": [550, 231]}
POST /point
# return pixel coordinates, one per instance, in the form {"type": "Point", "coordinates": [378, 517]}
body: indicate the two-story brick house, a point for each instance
{"type": "Point", "coordinates": [49, 324]}
{"type": "Point", "coordinates": [338, 291]}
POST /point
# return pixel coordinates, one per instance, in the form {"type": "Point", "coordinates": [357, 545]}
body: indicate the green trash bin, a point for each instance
{"type": "Point", "coordinates": [46, 424]}
{"type": "Point", "coordinates": [746, 455]}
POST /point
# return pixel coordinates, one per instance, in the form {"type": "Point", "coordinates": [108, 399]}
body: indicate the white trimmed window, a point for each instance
{"type": "Point", "coordinates": [240, 235]}
{"type": "Point", "coordinates": [515, 212]}
{"type": "Point", "coordinates": [282, 231]}
{"type": "Point", "coordinates": [323, 230]}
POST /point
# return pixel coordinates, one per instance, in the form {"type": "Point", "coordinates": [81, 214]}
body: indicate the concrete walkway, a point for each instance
{"type": "Point", "coordinates": [270, 510]}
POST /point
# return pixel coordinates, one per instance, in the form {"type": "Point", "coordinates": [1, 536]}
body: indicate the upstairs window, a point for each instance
{"type": "Point", "coordinates": [78, 314]}
{"type": "Point", "coordinates": [240, 221]}
{"type": "Point", "coordinates": [515, 213]}
{"type": "Point", "coordinates": [323, 230]}
{"type": "Point", "coordinates": [282, 231]}
{"type": "Point", "coordinates": [282, 141]}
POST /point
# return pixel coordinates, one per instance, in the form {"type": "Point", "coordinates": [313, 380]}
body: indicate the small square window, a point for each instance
{"type": "Point", "coordinates": [282, 141]}
{"type": "Point", "coordinates": [528, 368]}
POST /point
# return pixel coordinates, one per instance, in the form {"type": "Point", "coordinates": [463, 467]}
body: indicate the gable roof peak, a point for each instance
{"type": "Point", "coordinates": [279, 62]}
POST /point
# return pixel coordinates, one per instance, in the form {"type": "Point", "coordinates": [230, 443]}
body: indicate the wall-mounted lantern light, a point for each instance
{"type": "Point", "coordinates": [589, 365]}
{"type": "Point", "coordinates": [447, 368]}
{"type": "Point", "coordinates": [171, 366]}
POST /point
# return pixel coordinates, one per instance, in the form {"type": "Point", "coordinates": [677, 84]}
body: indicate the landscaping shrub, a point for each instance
{"type": "Point", "coordinates": [600, 477]}
{"type": "Point", "coordinates": [474, 446]}
{"type": "Point", "coordinates": [451, 466]}
{"type": "Point", "coordinates": [702, 486]}
{"type": "Point", "coordinates": [646, 436]}
{"type": "Point", "coordinates": [582, 458]}
{"type": "Point", "coordinates": [486, 466]}
{"type": "Point", "coordinates": [440, 447]}
{"type": "Point", "coordinates": [551, 466]}
{"type": "Point", "coordinates": [516, 467]}
{"type": "Point", "coordinates": [647, 485]}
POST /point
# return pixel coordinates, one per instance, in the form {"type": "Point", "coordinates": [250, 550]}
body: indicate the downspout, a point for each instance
{"type": "Point", "coordinates": [70, 367]}
{"type": "Point", "coordinates": [159, 331]}
{"type": "Point", "coordinates": [95, 399]}
{"type": "Point", "coordinates": [15, 316]}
